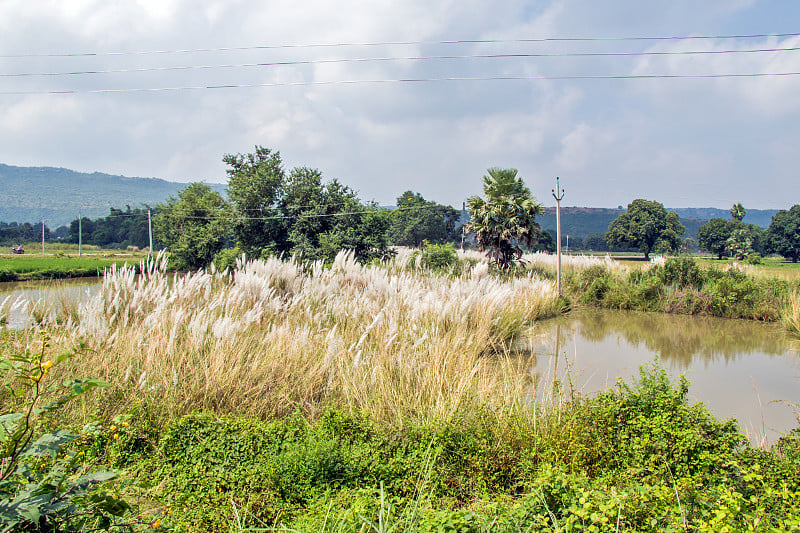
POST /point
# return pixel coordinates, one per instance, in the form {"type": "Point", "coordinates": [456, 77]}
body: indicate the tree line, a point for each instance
{"type": "Point", "coordinates": [274, 211]}
{"type": "Point", "coordinates": [270, 210]}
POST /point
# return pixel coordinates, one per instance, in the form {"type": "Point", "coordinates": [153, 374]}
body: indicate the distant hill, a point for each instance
{"type": "Point", "coordinates": [30, 194]}
{"type": "Point", "coordinates": [759, 217]}
{"type": "Point", "coordinates": [579, 222]}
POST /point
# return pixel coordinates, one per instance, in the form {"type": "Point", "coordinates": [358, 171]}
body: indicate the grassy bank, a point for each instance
{"type": "Point", "coordinates": [639, 457]}
{"type": "Point", "coordinates": [681, 285]}
{"type": "Point", "coordinates": [59, 265]}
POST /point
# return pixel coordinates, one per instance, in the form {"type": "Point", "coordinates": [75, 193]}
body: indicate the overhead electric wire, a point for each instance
{"type": "Point", "coordinates": [377, 209]}
{"type": "Point", "coordinates": [397, 58]}
{"type": "Point", "coordinates": [405, 43]}
{"type": "Point", "coordinates": [406, 80]}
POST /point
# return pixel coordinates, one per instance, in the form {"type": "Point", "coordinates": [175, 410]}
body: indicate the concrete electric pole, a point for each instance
{"type": "Point", "coordinates": [558, 194]}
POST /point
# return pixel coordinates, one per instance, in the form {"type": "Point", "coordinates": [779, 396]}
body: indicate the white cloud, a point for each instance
{"type": "Point", "coordinates": [607, 139]}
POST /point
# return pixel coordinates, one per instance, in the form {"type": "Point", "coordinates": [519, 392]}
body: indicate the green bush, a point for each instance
{"type": "Point", "coordinates": [439, 257]}
{"type": "Point", "coordinates": [753, 259]}
{"type": "Point", "coordinates": [226, 258]}
{"type": "Point", "coordinates": [682, 271]}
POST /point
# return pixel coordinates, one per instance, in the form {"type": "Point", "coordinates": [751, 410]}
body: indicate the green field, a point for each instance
{"type": "Point", "coordinates": [60, 264]}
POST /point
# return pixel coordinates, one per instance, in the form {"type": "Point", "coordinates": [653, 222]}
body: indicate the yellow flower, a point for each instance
{"type": "Point", "coordinates": [47, 364]}
{"type": "Point", "coordinates": [124, 424]}
{"type": "Point", "coordinates": [113, 428]}
{"type": "Point", "coordinates": [156, 524]}
{"type": "Point", "coordinates": [116, 436]}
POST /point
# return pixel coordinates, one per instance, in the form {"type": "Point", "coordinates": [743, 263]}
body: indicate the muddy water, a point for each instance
{"type": "Point", "coordinates": [738, 368]}
{"type": "Point", "coordinates": [15, 294]}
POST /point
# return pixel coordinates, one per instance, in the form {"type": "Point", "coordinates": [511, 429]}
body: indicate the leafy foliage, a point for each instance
{"type": "Point", "coordinates": [417, 220]}
{"type": "Point", "coordinates": [643, 225]}
{"type": "Point", "coordinates": [44, 486]}
{"type": "Point", "coordinates": [639, 457]}
{"type": "Point", "coordinates": [713, 236]}
{"type": "Point", "coordinates": [255, 181]}
{"type": "Point", "coordinates": [296, 213]}
{"type": "Point", "coordinates": [506, 219]}
{"type": "Point", "coordinates": [783, 234]}
{"type": "Point", "coordinates": [193, 226]}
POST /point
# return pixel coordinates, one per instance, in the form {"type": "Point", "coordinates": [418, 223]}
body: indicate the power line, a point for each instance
{"type": "Point", "coordinates": [388, 209]}
{"type": "Point", "coordinates": [398, 58]}
{"type": "Point", "coordinates": [407, 80]}
{"type": "Point", "coordinates": [405, 43]}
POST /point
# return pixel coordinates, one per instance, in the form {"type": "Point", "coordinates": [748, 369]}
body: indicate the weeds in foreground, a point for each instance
{"type": "Point", "coordinates": [43, 485]}
{"type": "Point", "coordinates": [636, 458]}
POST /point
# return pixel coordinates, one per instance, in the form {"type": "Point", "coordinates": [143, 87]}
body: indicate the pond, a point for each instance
{"type": "Point", "coordinates": [14, 293]}
{"type": "Point", "coordinates": [738, 368]}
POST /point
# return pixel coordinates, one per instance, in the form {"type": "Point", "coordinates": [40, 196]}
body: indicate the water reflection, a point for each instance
{"type": "Point", "coordinates": [738, 368]}
{"type": "Point", "coordinates": [682, 339]}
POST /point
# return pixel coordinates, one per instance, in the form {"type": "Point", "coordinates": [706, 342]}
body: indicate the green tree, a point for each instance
{"type": "Point", "coordinates": [417, 220]}
{"type": "Point", "coordinates": [643, 225]}
{"type": "Point", "coordinates": [713, 236]}
{"type": "Point", "coordinates": [298, 213]}
{"type": "Point", "coordinates": [193, 226]}
{"type": "Point", "coordinates": [255, 186]}
{"type": "Point", "coordinates": [324, 218]}
{"type": "Point", "coordinates": [783, 234]}
{"type": "Point", "coordinates": [360, 228]}
{"type": "Point", "coordinates": [740, 243]}
{"type": "Point", "coordinates": [506, 218]}
{"type": "Point", "coordinates": [738, 212]}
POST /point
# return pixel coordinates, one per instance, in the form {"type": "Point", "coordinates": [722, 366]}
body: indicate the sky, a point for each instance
{"type": "Point", "coordinates": [318, 81]}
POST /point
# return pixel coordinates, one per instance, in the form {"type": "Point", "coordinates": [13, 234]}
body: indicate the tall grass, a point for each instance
{"type": "Point", "coordinates": [790, 313]}
{"type": "Point", "coordinates": [274, 335]}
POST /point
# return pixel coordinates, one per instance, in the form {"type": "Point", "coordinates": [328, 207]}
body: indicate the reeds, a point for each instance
{"type": "Point", "coordinates": [276, 335]}
{"type": "Point", "coordinates": [790, 313]}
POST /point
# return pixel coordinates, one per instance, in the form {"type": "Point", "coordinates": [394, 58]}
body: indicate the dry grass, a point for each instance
{"type": "Point", "coordinates": [274, 335]}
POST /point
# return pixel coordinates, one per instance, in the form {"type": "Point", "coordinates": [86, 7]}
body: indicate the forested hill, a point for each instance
{"type": "Point", "coordinates": [580, 222]}
{"type": "Point", "coordinates": [30, 194]}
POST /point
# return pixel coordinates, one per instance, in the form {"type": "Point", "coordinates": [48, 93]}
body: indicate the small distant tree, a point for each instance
{"type": "Point", "coordinates": [643, 225]}
{"type": "Point", "coordinates": [783, 234]}
{"type": "Point", "coordinates": [738, 212]}
{"type": "Point", "coordinates": [506, 218]}
{"type": "Point", "coordinates": [193, 226]}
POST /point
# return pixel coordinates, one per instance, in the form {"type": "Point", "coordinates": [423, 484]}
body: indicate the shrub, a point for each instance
{"type": "Point", "coordinates": [754, 259]}
{"type": "Point", "coordinates": [439, 257]}
{"type": "Point", "coordinates": [227, 258]}
{"type": "Point", "coordinates": [682, 271]}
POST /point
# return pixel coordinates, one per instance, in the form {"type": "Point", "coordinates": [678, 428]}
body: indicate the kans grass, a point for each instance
{"type": "Point", "coordinates": [275, 336]}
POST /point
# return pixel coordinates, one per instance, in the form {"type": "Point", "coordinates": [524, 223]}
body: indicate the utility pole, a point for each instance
{"type": "Point", "coordinates": [558, 194]}
{"type": "Point", "coordinates": [80, 234]}
{"type": "Point", "coordinates": [42, 236]}
{"type": "Point", "coordinates": [150, 232]}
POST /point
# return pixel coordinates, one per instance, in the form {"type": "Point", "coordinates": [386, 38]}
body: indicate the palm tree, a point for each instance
{"type": "Point", "coordinates": [738, 212]}
{"type": "Point", "coordinates": [506, 218]}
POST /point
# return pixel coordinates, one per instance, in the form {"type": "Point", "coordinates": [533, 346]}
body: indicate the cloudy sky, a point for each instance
{"type": "Point", "coordinates": [521, 93]}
